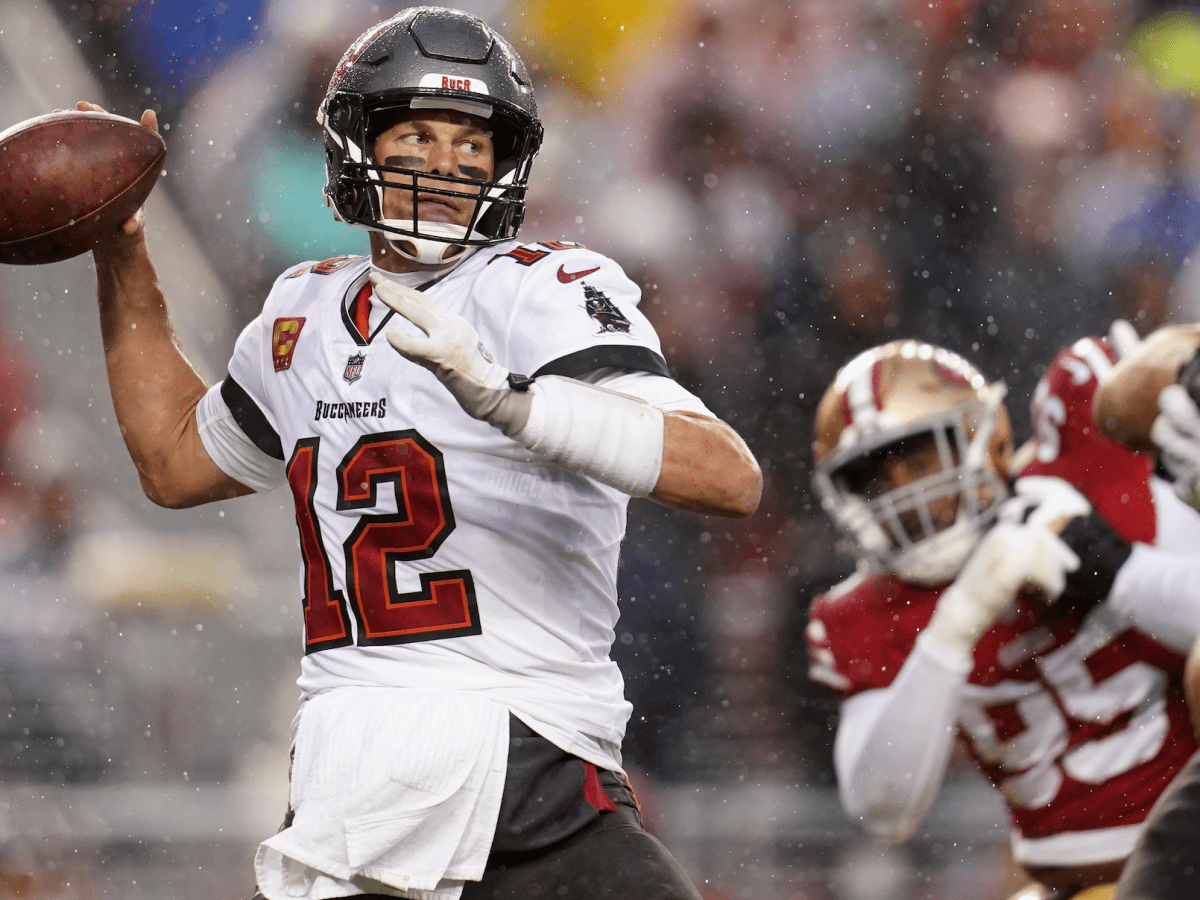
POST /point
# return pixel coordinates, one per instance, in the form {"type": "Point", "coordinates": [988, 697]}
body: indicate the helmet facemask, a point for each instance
{"type": "Point", "coordinates": [498, 203]}
{"type": "Point", "coordinates": [924, 529]}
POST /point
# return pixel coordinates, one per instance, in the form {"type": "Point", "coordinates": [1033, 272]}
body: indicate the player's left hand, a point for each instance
{"type": "Point", "coordinates": [1176, 431]}
{"type": "Point", "coordinates": [451, 350]}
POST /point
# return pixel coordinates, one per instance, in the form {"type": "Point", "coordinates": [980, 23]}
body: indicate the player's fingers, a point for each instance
{"type": "Point", "coordinates": [416, 348]}
{"type": "Point", "coordinates": [131, 225]}
{"type": "Point", "coordinates": [1054, 501]}
{"type": "Point", "coordinates": [1171, 440]}
{"type": "Point", "coordinates": [409, 303]}
{"type": "Point", "coordinates": [150, 120]}
{"type": "Point", "coordinates": [1177, 407]}
{"type": "Point", "coordinates": [1123, 337]}
{"type": "Point", "coordinates": [1050, 560]}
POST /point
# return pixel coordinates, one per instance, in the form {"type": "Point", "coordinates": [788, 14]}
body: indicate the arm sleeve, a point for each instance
{"type": "Point", "coordinates": [1158, 587]}
{"type": "Point", "coordinates": [893, 744]}
{"type": "Point", "coordinates": [1159, 593]}
{"type": "Point", "coordinates": [658, 391]}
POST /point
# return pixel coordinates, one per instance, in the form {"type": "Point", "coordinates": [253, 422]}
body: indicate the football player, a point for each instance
{"type": "Point", "coordinates": [1045, 624]}
{"type": "Point", "coordinates": [461, 419]}
{"type": "Point", "coordinates": [1165, 862]}
{"type": "Point", "coordinates": [1145, 402]}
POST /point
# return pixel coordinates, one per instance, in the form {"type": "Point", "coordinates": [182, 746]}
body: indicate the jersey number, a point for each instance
{"type": "Point", "coordinates": [445, 605]}
{"type": "Point", "coordinates": [1038, 736]}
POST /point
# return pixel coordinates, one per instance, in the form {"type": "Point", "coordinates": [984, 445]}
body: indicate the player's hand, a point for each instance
{"type": "Point", "coordinates": [1123, 337]}
{"type": "Point", "coordinates": [1044, 500]}
{"type": "Point", "coordinates": [1009, 558]}
{"type": "Point", "coordinates": [133, 227]}
{"type": "Point", "coordinates": [450, 348]}
{"type": "Point", "coordinates": [1176, 431]}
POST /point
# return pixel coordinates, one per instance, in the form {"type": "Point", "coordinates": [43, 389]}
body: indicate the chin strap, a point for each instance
{"type": "Point", "coordinates": [424, 251]}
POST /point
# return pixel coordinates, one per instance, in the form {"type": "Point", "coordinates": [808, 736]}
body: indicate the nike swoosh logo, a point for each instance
{"type": "Point", "coordinates": [567, 277]}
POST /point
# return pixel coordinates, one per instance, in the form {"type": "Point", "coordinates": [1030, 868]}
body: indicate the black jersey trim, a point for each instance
{"type": "Point", "coordinates": [622, 356]}
{"type": "Point", "coordinates": [251, 419]}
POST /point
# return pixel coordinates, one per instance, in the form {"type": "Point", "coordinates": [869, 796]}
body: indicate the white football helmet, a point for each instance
{"type": "Point", "coordinates": [899, 402]}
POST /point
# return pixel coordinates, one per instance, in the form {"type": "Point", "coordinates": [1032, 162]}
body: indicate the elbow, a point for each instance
{"type": "Point", "coordinates": [744, 490]}
{"type": "Point", "coordinates": [161, 493]}
{"type": "Point", "coordinates": [733, 491]}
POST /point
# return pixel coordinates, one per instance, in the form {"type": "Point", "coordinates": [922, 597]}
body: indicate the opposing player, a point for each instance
{"type": "Point", "coordinates": [1056, 657]}
{"type": "Point", "coordinates": [1165, 862]}
{"type": "Point", "coordinates": [1145, 402]}
{"type": "Point", "coordinates": [461, 419]}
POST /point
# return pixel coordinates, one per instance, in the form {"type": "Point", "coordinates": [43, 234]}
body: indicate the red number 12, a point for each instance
{"type": "Point", "coordinates": [445, 605]}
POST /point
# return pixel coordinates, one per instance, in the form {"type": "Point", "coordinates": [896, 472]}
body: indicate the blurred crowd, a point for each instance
{"type": "Point", "coordinates": [790, 182]}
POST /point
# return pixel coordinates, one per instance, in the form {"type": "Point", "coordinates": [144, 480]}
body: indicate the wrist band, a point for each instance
{"type": "Point", "coordinates": [614, 438]}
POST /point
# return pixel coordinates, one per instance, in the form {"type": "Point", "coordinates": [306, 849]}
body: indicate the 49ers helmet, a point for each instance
{"type": "Point", "coordinates": [429, 58]}
{"type": "Point", "coordinates": [886, 403]}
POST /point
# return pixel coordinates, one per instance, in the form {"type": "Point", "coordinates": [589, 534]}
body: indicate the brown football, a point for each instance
{"type": "Point", "coordinates": [67, 178]}
{"type": "Point", "coordinates": [1126, 401]}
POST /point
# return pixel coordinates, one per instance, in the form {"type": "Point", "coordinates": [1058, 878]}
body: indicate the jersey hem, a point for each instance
{"type": "Point", "coordinates": [1076, 848]}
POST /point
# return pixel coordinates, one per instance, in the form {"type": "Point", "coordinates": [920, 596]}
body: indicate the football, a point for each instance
{"type": "Point", "coordinates": [67, 178]}
{"type": "Point", "coordinates": [1126, 402]}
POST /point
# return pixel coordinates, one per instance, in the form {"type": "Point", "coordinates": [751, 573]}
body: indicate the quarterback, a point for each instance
{"type": "Point", "coordinates": [1045, 623]}
{"type": "Point", "coordinates": [461, 418]}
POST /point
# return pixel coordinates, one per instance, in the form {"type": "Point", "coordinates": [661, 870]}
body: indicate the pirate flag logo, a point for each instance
{"type": "Point", "coordinates": [354, 367]}
{"type": "Point", "coordinates": [600, 308]}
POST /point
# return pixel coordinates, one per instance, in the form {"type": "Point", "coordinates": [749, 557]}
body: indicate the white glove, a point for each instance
{"type": "Point", "coordinates": [614, 438]}
{"type": "Point", "coordinates": [1044, 500]}
{"type": "Point", "coordinates": [1009, 557]}
{"type": "Point", "coordinates": [1176, 431]}
{"type": "Point", "coordinates": [452, 351]}
{"type": "Point", "coordinates": [1123, 337]}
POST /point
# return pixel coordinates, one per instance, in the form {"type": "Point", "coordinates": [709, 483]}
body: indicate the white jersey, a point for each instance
{"type": "Point", "coordinates": [436, 551]}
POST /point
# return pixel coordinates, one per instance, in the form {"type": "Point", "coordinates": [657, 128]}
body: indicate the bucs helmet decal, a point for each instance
{"type": "Point", "coordinates": [901, 402]}
{"type": "Point", "coordinates": [429, 58]}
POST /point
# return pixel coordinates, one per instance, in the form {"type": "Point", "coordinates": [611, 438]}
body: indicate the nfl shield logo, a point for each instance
{"type": "Point", "coordinates": [354, 367]}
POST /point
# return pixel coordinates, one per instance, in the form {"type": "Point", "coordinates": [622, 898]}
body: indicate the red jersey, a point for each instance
{"type": "Point", "coordinates": [1079, 724]}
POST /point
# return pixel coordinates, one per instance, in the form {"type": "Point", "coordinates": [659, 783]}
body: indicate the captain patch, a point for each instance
{"type": "Point", "coordinates": [283, 341]}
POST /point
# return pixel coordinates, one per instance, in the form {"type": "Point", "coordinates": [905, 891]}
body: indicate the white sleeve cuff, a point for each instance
{"type": "Point", "coordinates": [1159, 592]}
{"type": "Point", "coordinates": [229, 447]}
{"type": "Point", "coordinates": [611, 437]}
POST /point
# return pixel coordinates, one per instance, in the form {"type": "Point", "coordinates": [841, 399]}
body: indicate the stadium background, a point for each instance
{"type": "Point", "coordinates": [789, 182]}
